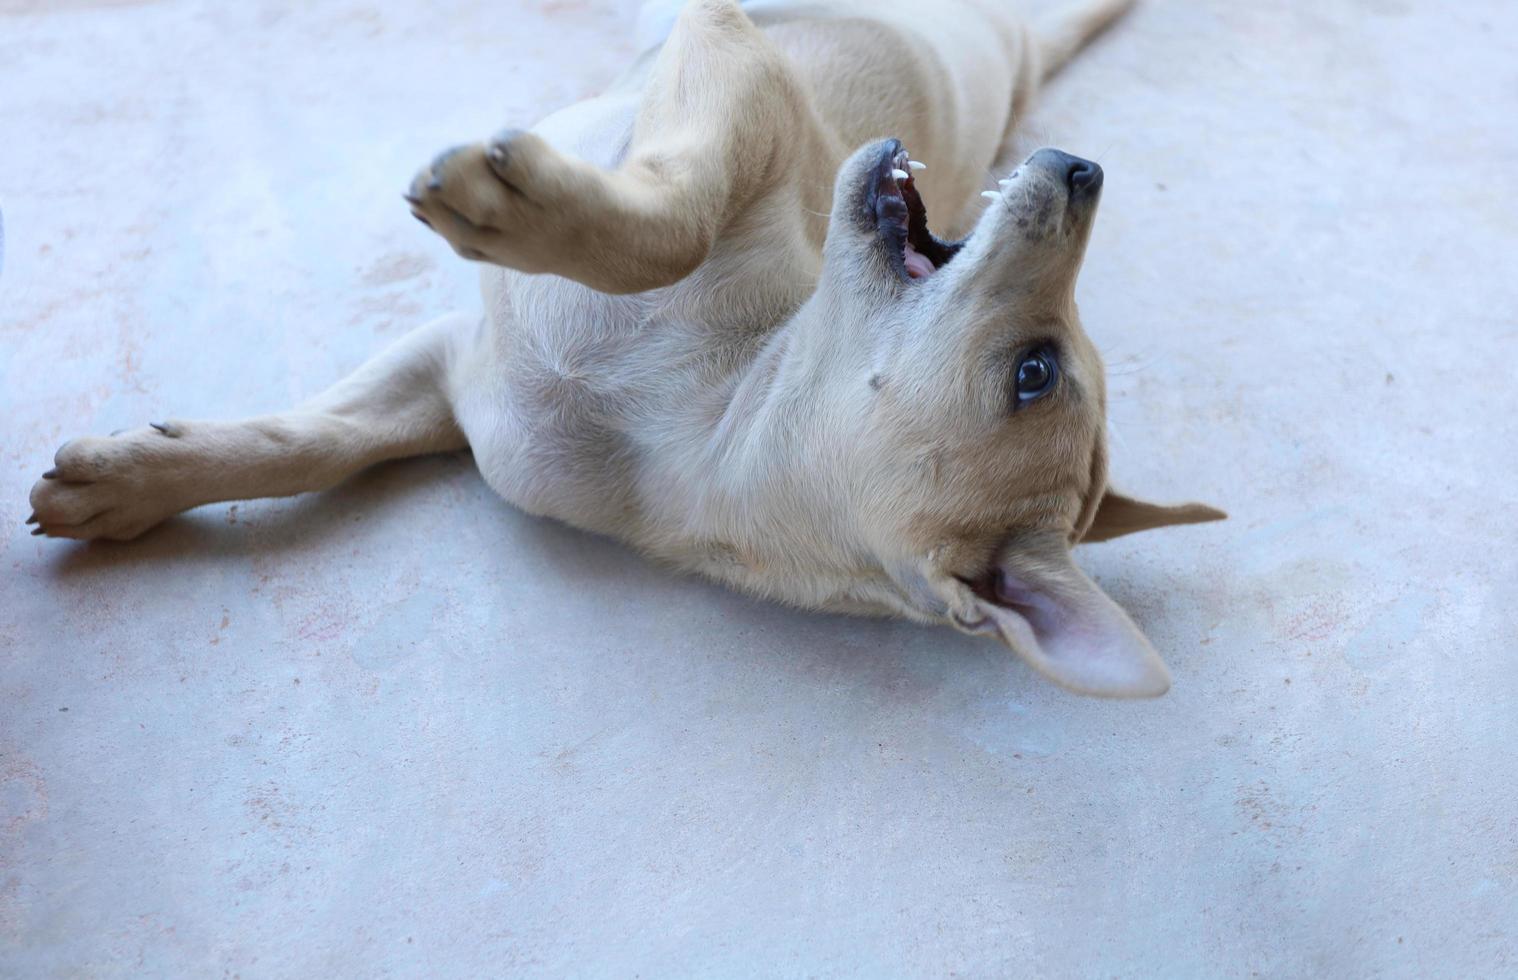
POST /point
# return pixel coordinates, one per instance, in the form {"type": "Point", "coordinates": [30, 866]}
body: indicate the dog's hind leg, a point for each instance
{"type": "Point", "coordinates": [721, 118]}
{"type": "Point", "coordinates": [395, 405]}
{"type": "Point", "coordinates": [1066, 30]}
{"type": "Point", "coordinates": [1057, 37]}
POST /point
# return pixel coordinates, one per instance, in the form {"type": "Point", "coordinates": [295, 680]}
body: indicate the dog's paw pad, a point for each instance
{"type": "Point", "coordinates": [112, 487]}
{"type": "Point", "coordinates": [513, 200]}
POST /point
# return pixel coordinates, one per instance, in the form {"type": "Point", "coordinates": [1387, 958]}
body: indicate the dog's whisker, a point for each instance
{"type": "Point", "coordinates": [1135, 362]}
{"type": "Point", "coordinates": [1115, 434]}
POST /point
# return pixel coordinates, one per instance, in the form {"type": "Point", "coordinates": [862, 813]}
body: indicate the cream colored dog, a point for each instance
{"type": "Point", "coordinates": [714, 332]}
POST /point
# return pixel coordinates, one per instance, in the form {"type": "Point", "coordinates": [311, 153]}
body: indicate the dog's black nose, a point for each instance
{"type": "Point", "coordinates": [1083, 175]}
{"type": "Point", "coordinates": [1080, 175]}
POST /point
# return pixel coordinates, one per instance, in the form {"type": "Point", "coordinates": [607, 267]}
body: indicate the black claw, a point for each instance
{"type": "Point", "coordinates": [37, 531]}
{"type": "Point", "coordinates": [421, 219]}
{"type": "Point", "coordinates": [50, 475]}
{"type": "Point", "coordinates": [161, 427]}
{"type": "Point", "coordinates": [506, 136]}
{"type": "Point", "coordinates": [412, 200]}
{"type": "Point", "coordinates": [440, 161]}
{"type": "Point", "coordinates": [33, 518]}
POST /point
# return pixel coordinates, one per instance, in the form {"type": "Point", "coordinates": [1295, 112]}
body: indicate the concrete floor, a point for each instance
{"type": "Point", "coordinates": [401, 729]}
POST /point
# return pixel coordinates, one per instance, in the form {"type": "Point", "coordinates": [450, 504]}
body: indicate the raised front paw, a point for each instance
{"type": "Point", "coordinates": [514, 201]}
{"type": "Point", "coordinates": [113, 487]}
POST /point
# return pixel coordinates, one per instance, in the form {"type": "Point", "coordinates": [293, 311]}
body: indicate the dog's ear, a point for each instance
{"type": "Point", "coordinates": [1118, 515]}
{"type": "Point", "coordinates": [1067, 628]}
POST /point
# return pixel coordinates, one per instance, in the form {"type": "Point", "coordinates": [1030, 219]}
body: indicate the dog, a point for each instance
{"type": "Point", "coordinates": [717, 327]}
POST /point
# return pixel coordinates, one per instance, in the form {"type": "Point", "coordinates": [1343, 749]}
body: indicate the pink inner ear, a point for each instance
{"type": "Point", "coordinates": [1027, 600]}
{"type": "Point", "coordinates": [1074, 634]}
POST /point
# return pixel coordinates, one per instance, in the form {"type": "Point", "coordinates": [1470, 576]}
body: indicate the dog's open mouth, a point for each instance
{"type": "Point", "coordinates": [902, 218]}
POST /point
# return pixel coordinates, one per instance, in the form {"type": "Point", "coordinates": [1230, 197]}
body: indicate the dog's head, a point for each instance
{"type": "Point", "coordinates": [967, 407]}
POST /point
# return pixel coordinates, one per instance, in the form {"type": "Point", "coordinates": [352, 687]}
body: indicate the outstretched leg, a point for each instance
{"type": "Point", "coordinates": [395, 405]}
{"type": "Point", "coordinates": [721, 121]}
{"type": "Point", "coordinates": [1063, 32]}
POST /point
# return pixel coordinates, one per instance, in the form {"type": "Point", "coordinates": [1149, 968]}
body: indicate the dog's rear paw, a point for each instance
{"type": "Point", "coordinates": [114, 487]}
{"type": "Point", "coordinates": [514, 201]}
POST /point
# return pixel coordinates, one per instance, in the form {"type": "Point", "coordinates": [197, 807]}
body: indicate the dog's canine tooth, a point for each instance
{"type": "Point", "coordinates": [900, 174]}
{"type": "Point", "coordinates": [917, 165]}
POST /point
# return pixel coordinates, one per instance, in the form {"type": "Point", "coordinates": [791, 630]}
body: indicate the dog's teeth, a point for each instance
{"type": "Point", "coordinates": [917, 165]}
{"type": "Point", "coordinates": [990, 195]}
{"type": "Point", "coordinates": [900, 174]}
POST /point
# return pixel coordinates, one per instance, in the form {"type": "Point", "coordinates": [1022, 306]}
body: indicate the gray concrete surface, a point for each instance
{"type": "Point", "coordinates": [400, 729]}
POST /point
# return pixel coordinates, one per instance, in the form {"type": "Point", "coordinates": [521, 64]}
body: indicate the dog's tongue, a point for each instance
{"type": "Point", "coordinates": [919, 266]}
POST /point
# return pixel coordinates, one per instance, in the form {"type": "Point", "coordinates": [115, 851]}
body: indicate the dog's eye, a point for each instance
{"type": "Point", "coordinates": [1036, 375]}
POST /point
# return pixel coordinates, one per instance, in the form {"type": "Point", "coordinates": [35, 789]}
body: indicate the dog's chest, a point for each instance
{"type": "Point", "coordinates": [583, 401]}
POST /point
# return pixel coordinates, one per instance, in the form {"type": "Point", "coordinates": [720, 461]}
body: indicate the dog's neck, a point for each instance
{"type": "Point", "coordinates": [766, 505]}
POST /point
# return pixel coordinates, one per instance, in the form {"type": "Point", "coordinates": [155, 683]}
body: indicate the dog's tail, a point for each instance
{"type": "Point", "coordinates": [1062, 33]}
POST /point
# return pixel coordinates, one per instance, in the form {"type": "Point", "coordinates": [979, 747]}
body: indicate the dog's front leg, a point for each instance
{"type": "Point", "coordinates": [722, 120]}
{"type": "Point", "coordinates": [395, 405]}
